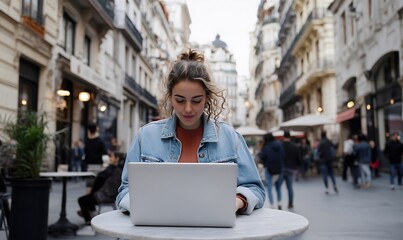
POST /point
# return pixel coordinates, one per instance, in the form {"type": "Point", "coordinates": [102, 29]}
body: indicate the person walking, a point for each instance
{"type": "Point", "coordinates": [77, 155]}
{"type": "Point", "coordinates": [363, 152]}
{"type": "Point", "coordinates": [305, 150]}
{"type": "Point", "coordinates": [272, 155]}
{"type": "Point", "coordinates": [375, 159]}
{"type": "Point", "coordinates": [326, 160]}
{"type": "Point", "coordinates": [192, 132]}
{"type": "Point", "coordinates": [348, 158]}
{"type": "Point", "coordinates": [393, 151]}
{"type": "Point", "coordinates": [292, 161]}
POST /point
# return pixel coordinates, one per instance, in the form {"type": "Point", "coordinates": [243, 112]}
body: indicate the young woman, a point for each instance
{"type": "Point", "coordinates": [192, 132]}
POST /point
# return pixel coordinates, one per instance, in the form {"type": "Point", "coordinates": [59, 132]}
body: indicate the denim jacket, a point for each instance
{"type": "Point", "coordinates": [157, 142]}
{"type": "Point", "coordinates": [363, 151]}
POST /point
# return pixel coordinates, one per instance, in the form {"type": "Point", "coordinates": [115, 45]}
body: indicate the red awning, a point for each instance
{"type": "Point", "coordinates": [345, 115]}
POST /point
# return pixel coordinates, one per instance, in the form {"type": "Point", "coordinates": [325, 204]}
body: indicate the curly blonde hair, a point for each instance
{"type": "Point", "coordinates": [190, 65]}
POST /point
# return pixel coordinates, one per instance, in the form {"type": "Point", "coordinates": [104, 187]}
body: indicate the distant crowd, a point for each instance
{"type": "Point", "coordinates": [287, 160]}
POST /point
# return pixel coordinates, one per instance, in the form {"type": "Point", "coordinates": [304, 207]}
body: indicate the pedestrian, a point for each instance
{"type": "Point", "coordinates": [192, 132]}
{"type": "Point", "coordinates": [292, 161]}
{"type": "Point", "coordinates": [305, 150]}
{"type": "Point", "coordinates": [393, 151]}
{"type": "Point", "coordinates": [315, 156]}
{"type": "Point", "coordinates": [104, 190]}
{"type": "Point", "coordinates": [375, 159]}
{"type": "Point", "coordinates": [95, 150]}
{"type": "Point", "coordinates": [326, 160]}
{"type": "Point", "coordinates": [348, 158]}
{"type": "Point", "coordinates": [77, 155]}
{"type": "Point", "coordinates": [272, 155]}
{"type": "Point", "coordinates": [363, 152]}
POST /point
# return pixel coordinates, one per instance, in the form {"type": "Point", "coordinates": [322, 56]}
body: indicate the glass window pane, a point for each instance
{"type": "Point", "coordinates": [34, 10]}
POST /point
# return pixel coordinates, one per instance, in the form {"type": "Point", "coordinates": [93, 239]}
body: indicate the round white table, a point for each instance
{"type": "Point", "coordinates": [261, 224]}
{"type": "Point", "coordinates": [63, 224]}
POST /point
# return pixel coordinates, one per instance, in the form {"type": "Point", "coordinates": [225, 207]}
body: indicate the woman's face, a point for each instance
{"type": "Point", "coordinates": [188, 100]}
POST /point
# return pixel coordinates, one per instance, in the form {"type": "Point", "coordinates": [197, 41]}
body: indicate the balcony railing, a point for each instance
{"type": "Point", "coordinates": [270, 105]}
{"type": "Point", "coordinates": [288, 95]}
{"type": "Point", "coordinates": [269, 19]}
{"type": "Point", "coordinates": [133, 30]}
{"type": "Point", "coordinates": [288, 20]}
{"type": "Point", "coordinates": [316, 13]}
{"type": "Point", "coordinates": [139, 91]}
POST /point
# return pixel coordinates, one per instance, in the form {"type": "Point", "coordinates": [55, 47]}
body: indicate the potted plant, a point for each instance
{"type": "Point", "coordinates": [30, 193]}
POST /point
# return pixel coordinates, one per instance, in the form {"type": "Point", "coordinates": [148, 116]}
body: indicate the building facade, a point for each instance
{"type": "Point", "coordinates": [85, 61]}
{"type": "Point", "coordinates": [369, 40]}
{"type": "Point", "coordinates": [223, 67]}
{"type": "Point", "coordinates": [266, 95]}
{"type": "Point", "coordinates": [306, 70]}
{"type": "Point", "coordinates": [26, 42]}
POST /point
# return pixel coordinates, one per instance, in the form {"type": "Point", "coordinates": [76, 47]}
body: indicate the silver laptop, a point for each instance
{"type": "Point", "coordinates": [183, 194]}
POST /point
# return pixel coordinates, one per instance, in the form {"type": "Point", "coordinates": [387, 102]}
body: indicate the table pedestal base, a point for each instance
{"type": "Point", "coordinates": [62, 226]}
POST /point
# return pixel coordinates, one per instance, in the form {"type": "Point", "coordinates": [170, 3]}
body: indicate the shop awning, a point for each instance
{"type": "Point", "coordinates": [345, 115]}
{"type": "Point", "coordinates": [280, 133]}
{"type": "Point", "coordinates": [250, 131]}
{"type": "Point", "coordinates": [310, 120]}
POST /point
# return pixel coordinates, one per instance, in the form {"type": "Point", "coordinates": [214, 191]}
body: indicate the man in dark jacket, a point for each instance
{"type": "Point", "coordinates": [393, 151]}
{"type": "Point", "coordinates": [326, 157]}
{"type": "Point", "coordinates": [272, 155]}
{"type": "Point", "coordinates": [292, 161]}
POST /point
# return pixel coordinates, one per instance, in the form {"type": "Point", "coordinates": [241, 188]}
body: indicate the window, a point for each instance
{"type": "Point", "coordinates": [133, 70]}
{"type": "Point", "coordinates": [33, 9]}
{"type": "Point", "coordinates": [308, 103]}
{"type": "Point", "coordinates": [127, 58]}
{"type": "Point", "coordinates": [87, 50]}
{"type": "Point", "coordinates": [28, 86]}
{"type": "Point", "coordinates": [343, 27]}
{"type": "Point", "coordinates": [352, 19]}
{"type": "Point", "coordinates": [319, 100]}
{"type": "Point", "coordinates": [69, 27]}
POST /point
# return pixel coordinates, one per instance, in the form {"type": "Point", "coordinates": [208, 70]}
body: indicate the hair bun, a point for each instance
{"type": "Point", "coordinates": [191, 55]}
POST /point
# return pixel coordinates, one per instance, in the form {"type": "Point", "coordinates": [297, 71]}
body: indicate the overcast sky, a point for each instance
{"type": "Point", "coordinates": [232, 19]}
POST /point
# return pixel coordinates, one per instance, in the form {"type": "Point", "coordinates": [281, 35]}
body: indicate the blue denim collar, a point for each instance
{"type": "Point", "coordinates": [209, 133]}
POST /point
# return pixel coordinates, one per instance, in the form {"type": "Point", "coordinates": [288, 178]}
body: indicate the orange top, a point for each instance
{"type": "Point", "coordinates": [190, 140]}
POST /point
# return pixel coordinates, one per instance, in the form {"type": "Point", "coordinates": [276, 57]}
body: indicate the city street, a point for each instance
{"type": "Point", "coordinates": [352, 214]}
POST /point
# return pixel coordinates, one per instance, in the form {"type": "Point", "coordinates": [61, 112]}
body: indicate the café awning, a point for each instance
{"type": "Point", "coordinates": [296, 134]}
{"type": "Point", "coordinates": [345, 115]}
{"type": "Point", "coordinates": [250, 131]}
{"type": "Point", "coordinates": [309, 120]}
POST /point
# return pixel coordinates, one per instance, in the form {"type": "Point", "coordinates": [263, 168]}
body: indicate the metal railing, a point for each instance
{"type": "Point", "coordinates": [316, 13]}
{"type": "Point", "coordinates": [287, 95]}
{"type": "Point", "coordinates": [129, 24]}
{"type": "Point", "coordinates": [138, 90]}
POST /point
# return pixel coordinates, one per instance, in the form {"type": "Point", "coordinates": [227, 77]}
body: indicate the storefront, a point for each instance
{"type": "Point", "coordinates": [385, 105]}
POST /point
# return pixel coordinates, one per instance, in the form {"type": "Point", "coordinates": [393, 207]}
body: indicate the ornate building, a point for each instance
{"type": "Point", "coordinates": [369, 40]}
{"type": "Point", "coordinates": [306, 69]}
{"type": "Point", "coordinates": [85, 61]}
{"type": "Point", "coordinates": [265, 97]}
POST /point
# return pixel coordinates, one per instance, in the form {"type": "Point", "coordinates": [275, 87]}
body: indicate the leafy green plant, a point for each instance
{"type": "Point", "coordinates": [27, 133]}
